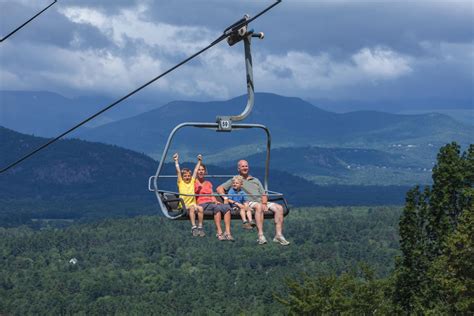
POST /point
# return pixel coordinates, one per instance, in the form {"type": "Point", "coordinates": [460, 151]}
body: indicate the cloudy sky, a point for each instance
{"type": "Point", "coordinates": [334, 49]}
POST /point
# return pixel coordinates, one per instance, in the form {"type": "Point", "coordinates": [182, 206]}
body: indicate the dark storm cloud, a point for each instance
{"type": "Point", "coordinates": [50, 28]}
{"type": "Point", "coordinates": [312, 48]}
{"type": "Point", "coordinates": [340, 27]}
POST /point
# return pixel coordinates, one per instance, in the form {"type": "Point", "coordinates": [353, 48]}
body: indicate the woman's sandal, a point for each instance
{"type": "Point", "coordinates": [221, 237]}
{"type": "Point", "coordinates": [228, 237]}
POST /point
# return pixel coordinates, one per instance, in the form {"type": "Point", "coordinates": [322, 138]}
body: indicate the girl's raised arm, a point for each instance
{"type": "Point", "coordinates": [176, 164]}
{"type": "Point", "coordinates": [199, 158]}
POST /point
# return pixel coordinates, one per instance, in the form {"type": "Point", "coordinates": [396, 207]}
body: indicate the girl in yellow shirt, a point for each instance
{"type": "Point", "coordinates": [186, 186]}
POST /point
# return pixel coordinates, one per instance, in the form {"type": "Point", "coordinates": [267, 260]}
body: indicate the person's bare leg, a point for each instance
{"type": "Point", "coordinates": [217, 221]}
{"type": "Point", "coordinates": [278, 217]}
{"type": "Point", "coordinates": [192, 215]}
{"type": "Point", "coordinates": [242, 215]}
{"type": "Point", "coordinates": [227, 223]}
{"type": "Point", "coordinates": [259, 218]}
{"type": "Point", "coordinates": [249, 213]}
{"type": "Point", "coordinates": [200, 211]}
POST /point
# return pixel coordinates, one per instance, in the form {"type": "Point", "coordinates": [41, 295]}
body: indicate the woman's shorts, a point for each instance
{"type": "Point", "coordinates": [215, 208]}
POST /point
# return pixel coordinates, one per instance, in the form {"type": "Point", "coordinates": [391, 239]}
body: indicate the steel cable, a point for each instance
{"type": "Point", "coordinates": [215, 42]}
{"type": "Point", "coordinates": [21, 26]}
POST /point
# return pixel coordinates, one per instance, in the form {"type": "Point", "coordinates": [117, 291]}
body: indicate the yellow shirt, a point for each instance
{"type": "Point", "coordinates": [187, 188]}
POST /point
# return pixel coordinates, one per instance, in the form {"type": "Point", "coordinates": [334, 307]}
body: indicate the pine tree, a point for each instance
{"type": "Point", "coordinates": [411, 274]}
{"type": "Point", "coordinates": [453, 272]}
{"type": "Point", "coordinates": [428, 226]}
{"type": "Point", "coordinates": [446, 201]}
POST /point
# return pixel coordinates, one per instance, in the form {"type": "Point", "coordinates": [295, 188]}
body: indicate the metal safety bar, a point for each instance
{"type": "Point", "coordinates": [276, 194]}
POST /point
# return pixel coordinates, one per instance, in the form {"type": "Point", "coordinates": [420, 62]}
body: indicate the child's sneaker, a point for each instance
{"type": "Point", "coordinates": [247, 225]}
{"type": "Point", "coordinates": [281, 240]}
{"type": "Point", "coordinates": [261, 240]}
{"type": "Point", "coordinates": [252, 223]}
{"type": "Point", "coordinates": [195, 231]}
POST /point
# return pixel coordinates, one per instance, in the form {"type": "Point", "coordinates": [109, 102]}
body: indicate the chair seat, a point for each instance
{"type": "Point", "coordinates": [174, 203]}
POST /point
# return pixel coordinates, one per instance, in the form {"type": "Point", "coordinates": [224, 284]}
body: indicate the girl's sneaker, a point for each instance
{"type": "Point", "coordinates": [201, 232]}
{"type": "Point", "coordinates": [195, 231]}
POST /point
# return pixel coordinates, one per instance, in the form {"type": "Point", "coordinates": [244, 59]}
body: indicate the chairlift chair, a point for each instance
{"type": "Point", "coordinates": [170, 202]}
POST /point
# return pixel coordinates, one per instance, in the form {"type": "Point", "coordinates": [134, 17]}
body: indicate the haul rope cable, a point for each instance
{"type": "Point", "coordinates": [227, 32]}
{"type": "Point", "coordinates": [21, 26]}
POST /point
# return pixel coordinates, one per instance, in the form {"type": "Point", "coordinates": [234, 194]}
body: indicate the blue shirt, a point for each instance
{"type": "Point", "coordinates": [237, 196]}
{"type": "Point", "coordinates": [252, 186]}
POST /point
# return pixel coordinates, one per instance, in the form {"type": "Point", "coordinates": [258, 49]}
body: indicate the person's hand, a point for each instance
{"type": "Point", "coordinates": [175, 157]}
{"type": "Point", "coordinates": [199, 157]}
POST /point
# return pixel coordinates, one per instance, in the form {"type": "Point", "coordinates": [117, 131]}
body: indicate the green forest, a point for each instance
{"type": "Point", "coordinates": [375, 260]}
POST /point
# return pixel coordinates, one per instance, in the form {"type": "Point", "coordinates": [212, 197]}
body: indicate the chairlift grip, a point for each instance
{"type": "Point", "coordinates": [237, 25]}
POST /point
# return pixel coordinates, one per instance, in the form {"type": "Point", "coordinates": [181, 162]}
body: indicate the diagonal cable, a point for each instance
{"type": "Point", "coordinates": [111, 105]}
{"type": "Point", "coordinates": [21, 26]}
{"type": "Point", "coordinates": [215, 42]}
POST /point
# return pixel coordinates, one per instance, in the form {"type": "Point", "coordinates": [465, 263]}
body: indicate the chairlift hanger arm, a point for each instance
{"type": "Point", "coordinates": [31, 19]}
{"type": "Point", "coordinates": [236, 33]}
{"type": "Point", "coordinates": [215, 42]}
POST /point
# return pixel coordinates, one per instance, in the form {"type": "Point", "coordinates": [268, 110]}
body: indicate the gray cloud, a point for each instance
{"type": "Point", "coordinates": [312, 49]}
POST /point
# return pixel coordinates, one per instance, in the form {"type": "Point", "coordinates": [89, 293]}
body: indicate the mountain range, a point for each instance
{"type": "Point", "coordinates": [292, 121]}
{"type": "Point", "coordinates": [79, 172]}
{"type": "Point", "coordinates": [362, 147]}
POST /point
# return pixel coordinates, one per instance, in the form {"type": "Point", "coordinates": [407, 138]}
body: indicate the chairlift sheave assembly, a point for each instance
{"type": "Point", "coordinates": [170, 202]}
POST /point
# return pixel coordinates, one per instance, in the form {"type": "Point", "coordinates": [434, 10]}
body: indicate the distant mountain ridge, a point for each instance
{"type": "Point", "coordinates": [292, 121]}
{"type": "Point", "coordinates": [46, 113]}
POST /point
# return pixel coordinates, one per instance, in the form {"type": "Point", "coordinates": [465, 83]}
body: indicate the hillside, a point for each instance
{"type": "Point", "coordinates": [48, 114]}
{"type": "Point", "coordinates": [150, 265]}
{"type": "Point", "coordinates": [292, 121]}
{"type": "Point", "coordinates": [71, 168]}
{"type": "Point", "coordinates": [62, 180]}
